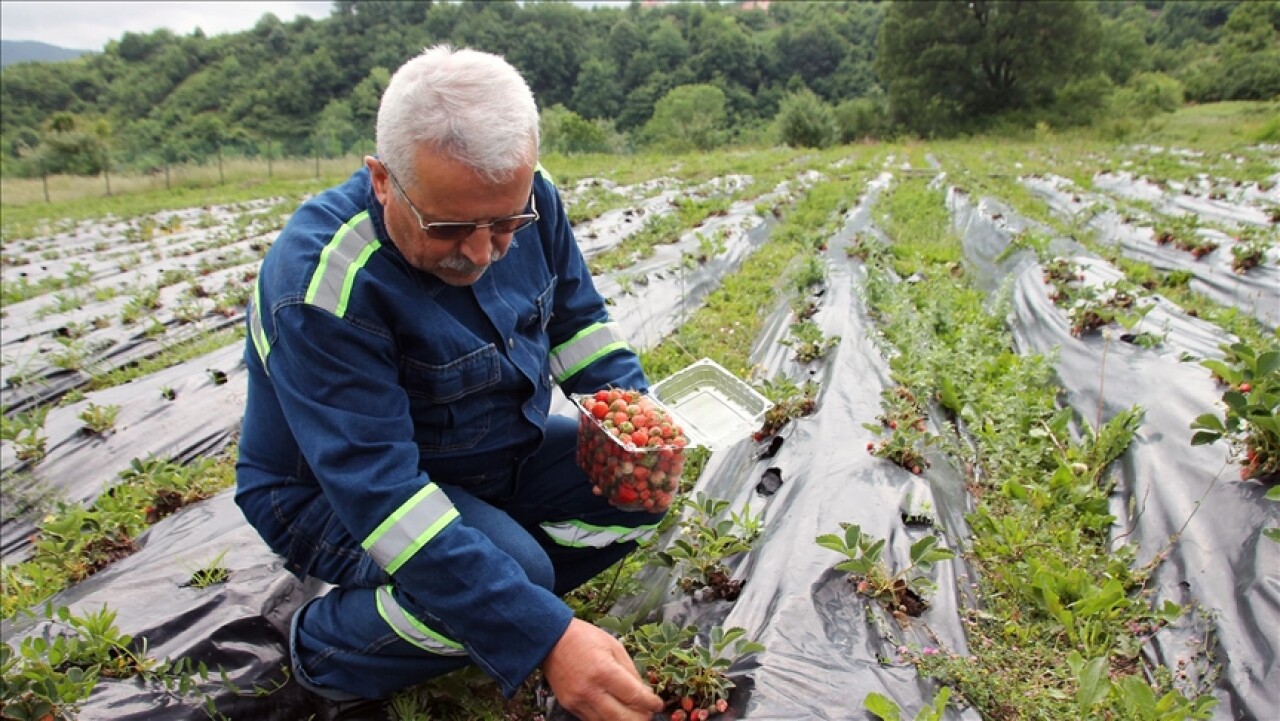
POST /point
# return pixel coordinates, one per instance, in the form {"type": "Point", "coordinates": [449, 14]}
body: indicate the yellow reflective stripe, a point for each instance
{"type": "Point", "coordinates": [539, 169]}
{"type": "Point", "coordinates": [256, 331]}
{"type": "Point", "coordinates": [584, 348]}
{"type": "Point", "coordinates": [410, 527]}
{"type": "Point", "coordinates": [413, 630]}
{"type": "Point", "coordinates": [578, 534]}
{"type": "Point", "coordinates": [341, 259]}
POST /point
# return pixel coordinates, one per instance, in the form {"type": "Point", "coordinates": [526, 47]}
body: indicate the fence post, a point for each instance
{"type": "Point", "coordinates": [166, 176]}
{"type": "Point", "coordinates": [317, 152]}
{"type": "Point", "coordinates": [44, 180]}
{"type": "Point", "coordinates": [221, 180]}
{"type": "Point", "coordinates": [269, 169]}
{"type": "Point", "coordinates": [106, 172]}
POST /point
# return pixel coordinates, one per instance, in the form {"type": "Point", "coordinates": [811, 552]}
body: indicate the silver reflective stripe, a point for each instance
{"type": "Point", "coordinates": [413, 630]}
{"type": "Point", "coordinates": [410, 527]}
{"type": "Point", "coordinates": [341, 259]}
{"type": "Point", "coordinates": [589, 344]}
{"type": "Point", "coordinates": [256, 332]}
{"type": "Point", "coordinates": [585, 535]}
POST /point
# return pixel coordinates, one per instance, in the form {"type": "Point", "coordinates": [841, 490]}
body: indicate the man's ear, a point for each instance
{"type": "Point", "coordinates": [378, 175]}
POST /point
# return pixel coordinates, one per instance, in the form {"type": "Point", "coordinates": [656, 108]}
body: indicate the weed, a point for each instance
{"type": "Point", "coordinates": [211, 574]}
{"type": "Point", "coordinates": [886, 709]}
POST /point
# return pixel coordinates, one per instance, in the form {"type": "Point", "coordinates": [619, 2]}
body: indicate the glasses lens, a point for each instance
{"type": "Point", "coordinates": [454, 232]}
{"type": "Point", "coordinates": [504, 226]}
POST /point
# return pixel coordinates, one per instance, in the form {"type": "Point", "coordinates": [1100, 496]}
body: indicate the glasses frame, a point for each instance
{"type": "Point", "coordinates": [453, 230]}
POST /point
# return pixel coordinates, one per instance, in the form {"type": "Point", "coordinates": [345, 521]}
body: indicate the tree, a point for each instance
{"type": "Point", "coordinates": [805, 121]}
{"type": "Point", "coordinates": [598, 94]}
{"type": "Point", "coordinates": [945, 63]}
{"type": "Point", "coordinates": [690, 117]}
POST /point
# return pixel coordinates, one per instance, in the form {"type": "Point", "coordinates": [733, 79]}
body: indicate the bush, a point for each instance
{"type": "Point", "coordinates": [1081, 101]}
{"type": "Point", "coordinates": [1146, 95]}
{"type": "Point", "coordinates": [805, 121]}
{"type": "Point", "coordinates": [564, 131]}
{"type": "Point", "coordinates": [861, 118]}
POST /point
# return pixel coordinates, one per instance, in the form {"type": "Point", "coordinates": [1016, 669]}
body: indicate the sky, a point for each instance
{"type": "Point", "coordinates": [89, 25]}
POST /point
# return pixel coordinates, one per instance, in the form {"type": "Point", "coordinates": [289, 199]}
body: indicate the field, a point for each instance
{"type": "Point", "coordinates": [1021, 464]}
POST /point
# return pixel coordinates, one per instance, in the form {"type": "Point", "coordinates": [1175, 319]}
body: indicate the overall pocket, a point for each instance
{"type": "Point", "coordinates": [450, 410]}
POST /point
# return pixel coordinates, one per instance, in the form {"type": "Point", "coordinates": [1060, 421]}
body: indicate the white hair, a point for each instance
{"type": "Point", "coordinates": [472, 105]}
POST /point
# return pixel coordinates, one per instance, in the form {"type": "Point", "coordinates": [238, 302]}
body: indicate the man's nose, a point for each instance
{"type": "Point", "coordinates": [478, 247]}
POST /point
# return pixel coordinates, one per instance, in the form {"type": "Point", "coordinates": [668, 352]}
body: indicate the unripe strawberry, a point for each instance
{"type": "Point", "coordinates": [1245, 387]}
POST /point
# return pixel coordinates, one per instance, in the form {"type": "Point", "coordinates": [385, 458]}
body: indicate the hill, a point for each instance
{"type": "Point", "coordinates": [34, 51]}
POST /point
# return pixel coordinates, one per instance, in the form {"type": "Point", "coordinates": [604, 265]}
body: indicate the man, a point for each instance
{"type": "Point", "coordinates": [405, 332]}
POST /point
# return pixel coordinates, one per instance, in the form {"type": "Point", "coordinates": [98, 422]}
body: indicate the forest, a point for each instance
{"type": "Point", "coordinates": [649, 76]}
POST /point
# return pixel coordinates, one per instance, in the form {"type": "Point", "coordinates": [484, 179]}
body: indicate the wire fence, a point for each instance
{"type": "Point", "coordinates": [222, 168]}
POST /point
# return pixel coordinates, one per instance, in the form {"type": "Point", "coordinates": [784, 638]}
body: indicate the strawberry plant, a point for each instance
{"type": "Point", "coordinates": [789, 401]}
{"type": "Point", "coordinates": [99, 420]}
{"type": "Point", "coordinates": [1251, 421]}
{"type": "Point", "coordinates": [704, 545]}
{"type": "Point", "coordinates": [808, 341]}
{"type": "Point", "coordinates": [873, 576]}
{"type": "Point", "coordinates": [26, 432]}
{"type": "Point", "coordinates": [1250, 248]}
{"type": "Point", "coordinates": [631, 449]}
{"type": "Point", "coordinates": [687, 672]}
{"type": "Point", "coordinates": [903, 419]}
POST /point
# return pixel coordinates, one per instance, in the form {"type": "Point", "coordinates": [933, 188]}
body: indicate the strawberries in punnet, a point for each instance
{"type": "Point", "coordinates": [630, 448]}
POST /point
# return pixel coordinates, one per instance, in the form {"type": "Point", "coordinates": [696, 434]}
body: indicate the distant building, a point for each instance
{"type": "Point", "coordinates": [762, 5]}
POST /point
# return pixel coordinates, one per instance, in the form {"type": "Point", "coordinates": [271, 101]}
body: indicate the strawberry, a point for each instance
{"type": "Point", "coordinates": [679, 715]}
{"type": "Point", "coordinates": [721, 705]}
{"type": "Point", "coordinates": [686, 703]}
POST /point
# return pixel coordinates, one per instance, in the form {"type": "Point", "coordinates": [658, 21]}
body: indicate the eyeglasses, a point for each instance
{"type": "Point", "coordinates": [458, 231]}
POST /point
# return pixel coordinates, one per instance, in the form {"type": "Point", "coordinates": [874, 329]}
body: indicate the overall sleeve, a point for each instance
{"type": "Point", "coordinates": [588, 351]}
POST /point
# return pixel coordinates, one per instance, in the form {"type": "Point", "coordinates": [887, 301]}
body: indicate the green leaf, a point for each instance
{"type": "Point", "coordinates": [833, 542]}
{"type": "Point", "coordinates": [1203, 438]}
{"type": "Point", "coordinates": [1208, 421]}
{"type": "Point", "coordinates": [882, 707]}
{"type": "Point", "coordinates": [1273, 494]}
{"type": "Point", "coordinates": [1235, 400]}
{"type": "Point", "coordinates": [1268, 363]}
{"type": "Point", "coordinates": [1093, 684]}
{"type": "Point", "coordinates": [947, 394]}
{"type": "Point", "coordinates": [1272, 533]}
{"type": "Point", "coordinates": [921, 547]}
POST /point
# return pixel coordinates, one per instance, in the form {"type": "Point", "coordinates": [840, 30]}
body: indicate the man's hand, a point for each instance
{"type": "Point", "coordinates": [593, 677]}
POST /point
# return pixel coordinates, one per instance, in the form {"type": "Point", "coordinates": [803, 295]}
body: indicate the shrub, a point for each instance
{"type": "Point", "coordinates": [861, 118]}
{"type": "Point", "coordinates": [805, 121]}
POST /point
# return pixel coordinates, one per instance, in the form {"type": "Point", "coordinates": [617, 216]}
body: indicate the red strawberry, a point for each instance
{"type": "Point", "coordinates": [686, 703]}
{"type": "Point", "coordinates": [678, 715]}
{"type": "Point", "coordinates": [721, 705]}
{"type": "Point", "coordinates": [625, 495]}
